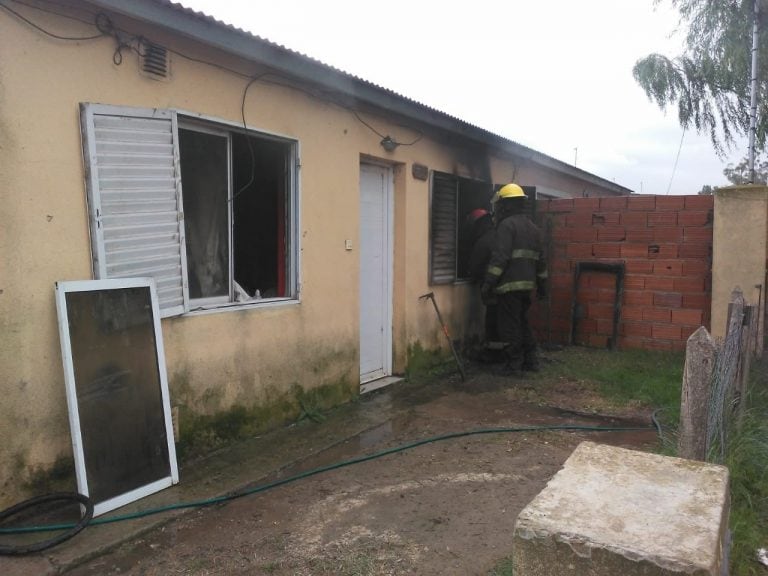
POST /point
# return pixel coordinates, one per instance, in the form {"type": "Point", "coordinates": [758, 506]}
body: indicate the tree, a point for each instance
{"type": "Point", "coordinates": [739, 174]}
{"type": "Point", "coordinates": [707, 190]}
{"type": "Point", "coordinates": [710, 81]}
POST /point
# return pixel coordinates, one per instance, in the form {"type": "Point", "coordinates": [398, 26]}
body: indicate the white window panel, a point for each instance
{"type": "Point", "coordinates": [134, 198]}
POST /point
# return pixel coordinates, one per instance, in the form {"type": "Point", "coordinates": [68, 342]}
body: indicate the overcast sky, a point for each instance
{"type": "Point", "coordinates": [555, 76]}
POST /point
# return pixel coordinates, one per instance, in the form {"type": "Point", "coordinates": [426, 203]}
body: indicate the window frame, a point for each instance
{"type": "Point", "coordinates": [216, 126]}
{"type": "Point", "coordinates": [454, 278]}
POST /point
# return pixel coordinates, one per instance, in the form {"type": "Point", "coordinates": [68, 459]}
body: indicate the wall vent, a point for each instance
{"type": "Point", "coordinates": [154, 61]}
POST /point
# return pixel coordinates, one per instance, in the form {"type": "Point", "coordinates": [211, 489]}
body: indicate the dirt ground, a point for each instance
{"type": "Point", "coordinates": [442, 508]}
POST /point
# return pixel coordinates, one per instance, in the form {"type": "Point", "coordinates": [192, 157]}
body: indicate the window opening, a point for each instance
{"type": "Point", "coordinates": [236, 243]}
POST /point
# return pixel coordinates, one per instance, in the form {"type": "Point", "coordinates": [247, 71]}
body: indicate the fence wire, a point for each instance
{"type": "Point", "coordinates": [725, 396]}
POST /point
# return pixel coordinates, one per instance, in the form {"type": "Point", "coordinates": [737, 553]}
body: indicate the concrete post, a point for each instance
{"type": "Point", "coordinates": [694, 404]}
{"type": "Point", "coordinates": [739, 251]}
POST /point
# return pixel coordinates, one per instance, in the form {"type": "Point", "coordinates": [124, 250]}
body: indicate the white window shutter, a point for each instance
{"type": "Point", "coordinates": [134, 198]}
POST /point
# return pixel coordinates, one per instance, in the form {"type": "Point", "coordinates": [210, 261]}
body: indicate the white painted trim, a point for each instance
{"type": "Point", "coordinates": [62, 288]}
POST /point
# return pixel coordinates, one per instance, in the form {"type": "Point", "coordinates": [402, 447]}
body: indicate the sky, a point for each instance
{"type": "Point", "coordinates": [555, 76]}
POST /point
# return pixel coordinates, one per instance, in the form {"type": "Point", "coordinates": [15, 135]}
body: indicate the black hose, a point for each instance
{"type": "Point", "coordinates": [22, 549]}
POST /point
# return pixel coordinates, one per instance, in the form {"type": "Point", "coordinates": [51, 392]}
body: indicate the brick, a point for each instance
{"type": "Point", "coordinates": [695, 234]}
{"type": "Point", "coordinates": [611, 234]}
{"type": "Point", "coordinates": [686, 331]}
{"type": "Point", "coordinates": [697, 301]}
{"type": "Point", "coordinates": [580, 251]}
{"type": "Point", "coordinates": [598, 341]}
{"type": "Point", "coordinates": [605, 281]}
{"type": "Point", "coordinates": [632, 343]}
{"type": "Point", "coordinates": [636, 219]}
{"type": "Point", "coordinates": [643, 202]}
{"type": "Point", "coordinates": [637, 298]}
{"type": "Point", "coordinates": [687, 317]}
{"type": "Point", "coordinates": [560, 282]}
{"type": "Point", "coordinates": [561, 205]}
{"type": "Point", "coordinates": [657, 315]}
{"type": "Point", "coordinates": [606, 250]}
{"type": "Point", "coordinates": [636, 329]}
{"type": "Point", "coordinates": [661, 345]}
{"type": "Point", "coordinates": [586, 326]}
{"type": "Point", "coordinates": [586, 204]}
{"type": "Point", "coordinates": [689, 284]}
{"type": "Point", "coordinates": [632, 282]}
{"type": "Point", "coordinates": [630, 313]}
{"type": "Point", "coordinates": [668, 234]}
{"type": "Point", "coordinates": [542, 206]}
{"type": "Point", "coordinates": [605, 219]}
{"type": "Point", "coordinates": [696, 267]}
{"type": "Point", "coordinates": [668, 267]}
{"type": "Point", "coordinates": [699, 202]}
{"type": "Point", "coordinates": [666, 332]}
{"type": "Point", "coordinates": [662, 219]}
{"type": "Point", "coordinates": [560, 265]}
{"type": "Point", "coordinates": [638, 267]}
{"type": "Point", "coordinates": [696, 250]}
{"type": "Point", "coordinates": [668, 299]}
{"type": "Point", "coordinates": [578, 219]}
{"type": "Point", "coordinates": [666, 251]}
{"type": "Point", "coordinates": [662, 283]}
{"type": "Point", "coordinates": [600, 309]}
{"type": "Point", "coordinates": [634, 251]}
{"type": "Point", "coordinates": [670, 203]}
{"type": "Point", "coordinates": [694, 218]}
{"type": "Point", "coordinates": [644, 236]}
{"type": "Point", "coordinates": [582, 234]}
{"type": "Point", "coordinates": [613, 203]}
{"type": "Point", "coordinates": [605, 326]}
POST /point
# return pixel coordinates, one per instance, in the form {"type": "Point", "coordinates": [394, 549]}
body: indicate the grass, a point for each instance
{"type": "Point", "coordinates": [747, 460]}
{"type": "Point", "coordinates": [654, 379]}
{"type": "Point", "coordinates": [643, 377]}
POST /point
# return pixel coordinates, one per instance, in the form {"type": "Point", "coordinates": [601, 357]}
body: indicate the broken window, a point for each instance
{"type": "Point", "coordinates": [205, 209]}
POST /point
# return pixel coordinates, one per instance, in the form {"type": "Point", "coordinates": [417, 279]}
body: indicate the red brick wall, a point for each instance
{"type": "Point", "coordinates": [665, 244]}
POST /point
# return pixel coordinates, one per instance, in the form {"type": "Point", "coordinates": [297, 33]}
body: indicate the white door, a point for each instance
{"type": "Point", "coordinates": [375, 272]}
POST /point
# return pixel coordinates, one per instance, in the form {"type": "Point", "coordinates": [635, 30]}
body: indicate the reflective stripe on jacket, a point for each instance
{"type": "Point", "coordinates": [517, 261]}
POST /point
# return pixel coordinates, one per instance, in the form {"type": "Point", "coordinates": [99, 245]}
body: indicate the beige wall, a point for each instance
{"type": "Point", "coordinates": [739, 249]}
{"type": "Point", "coordinates": [214, 360]}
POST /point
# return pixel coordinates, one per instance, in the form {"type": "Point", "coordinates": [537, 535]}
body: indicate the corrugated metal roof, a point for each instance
{"type": "Point", "coordinates": [207, 29]}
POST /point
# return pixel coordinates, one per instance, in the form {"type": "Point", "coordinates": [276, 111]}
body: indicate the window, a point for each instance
{"type": "Point", "coordinates": [205, 209]}
{"type": "Point", "coordinates": [451, 239]}
{"type": "Point", "coordinates": [453, 199]}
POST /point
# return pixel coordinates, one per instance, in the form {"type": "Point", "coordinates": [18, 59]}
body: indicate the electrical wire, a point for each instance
{"type": "Point", "coordinates": [328, 468]}
{"type": "Point", "coordinates": [674, 168]}
{"type": "Point", "coordinates": [48, 32]}
{"type": "Point", "coordinates": [380, 135]}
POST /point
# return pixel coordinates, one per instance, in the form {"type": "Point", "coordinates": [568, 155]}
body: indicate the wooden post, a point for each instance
{"type": "Point", "coordinates": [747, 334]}
{"type": "Point", "coordinates": [694, 406]}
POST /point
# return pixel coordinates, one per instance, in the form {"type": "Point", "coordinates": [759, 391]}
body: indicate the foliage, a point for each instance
{"type": "Point", "coordinates": [739, 173]}
{"type": "Point", "coordinates": [706, 190]}
{"type": "Point", "coordinates": [709, 82]}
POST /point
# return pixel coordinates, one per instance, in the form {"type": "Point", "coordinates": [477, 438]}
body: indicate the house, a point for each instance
{"type": "Point", "coordinates": [271, 197]}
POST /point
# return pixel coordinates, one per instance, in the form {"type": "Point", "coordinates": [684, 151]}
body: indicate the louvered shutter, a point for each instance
{"type": "Point", "coordinates": [134, 198]}
{"type": "Point", "coordinates": [443, 228]}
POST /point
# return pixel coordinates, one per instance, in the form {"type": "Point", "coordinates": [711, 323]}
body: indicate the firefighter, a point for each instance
{"type": "Point", "coordinates": [515, 270]}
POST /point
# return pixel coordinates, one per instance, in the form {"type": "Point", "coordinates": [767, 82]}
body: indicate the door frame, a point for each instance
{"type": "Point", "coordinates": [389, 247]}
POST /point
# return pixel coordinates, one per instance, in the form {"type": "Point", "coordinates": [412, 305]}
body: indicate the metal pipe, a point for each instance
{"type": "Point", "coordinates": [753, 93]}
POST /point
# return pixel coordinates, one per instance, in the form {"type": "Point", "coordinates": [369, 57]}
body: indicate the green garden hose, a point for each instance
{"type": "Point", "coordinates": [11, 550]}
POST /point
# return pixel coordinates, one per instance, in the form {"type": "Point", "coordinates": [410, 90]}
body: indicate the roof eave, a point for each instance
{"type": "Point", "coordinates": [208, 31]}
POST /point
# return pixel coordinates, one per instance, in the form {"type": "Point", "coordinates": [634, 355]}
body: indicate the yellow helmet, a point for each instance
{"type": "Point", "coordinates": [509, 191]}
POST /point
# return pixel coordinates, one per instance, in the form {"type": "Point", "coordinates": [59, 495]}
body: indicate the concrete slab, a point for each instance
{"type": "Point", "coordinates": [613, 511]}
